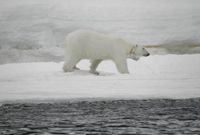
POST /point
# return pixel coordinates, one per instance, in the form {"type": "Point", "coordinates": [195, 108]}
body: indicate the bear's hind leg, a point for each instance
{"type": "Point", "coordinates": [94, 65]}
{"type": "Point", "coordinates": [70, 65]}
{"type": "Point", "coordinates": [76, 68]}
{"type": "Point", "coordinates": [67, 67]}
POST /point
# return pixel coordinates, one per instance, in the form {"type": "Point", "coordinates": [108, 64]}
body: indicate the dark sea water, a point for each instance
{"type": "Point", "coordinates": [120, 117]}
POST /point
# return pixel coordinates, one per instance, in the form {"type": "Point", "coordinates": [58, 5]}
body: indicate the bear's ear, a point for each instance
{"type": "Point", "coordinates": [136, 45]}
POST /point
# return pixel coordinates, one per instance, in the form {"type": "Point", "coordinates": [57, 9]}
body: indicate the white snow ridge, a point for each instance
{"type": "Point", "coordinates": [32, 46]}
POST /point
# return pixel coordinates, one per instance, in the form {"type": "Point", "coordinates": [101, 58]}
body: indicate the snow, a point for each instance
{"type": "Point", "coordinates": [169, 76]}
{"type": "Point", "coordinates": [34, 30]}
{"type": "Point", "coordinates": [31, 49]}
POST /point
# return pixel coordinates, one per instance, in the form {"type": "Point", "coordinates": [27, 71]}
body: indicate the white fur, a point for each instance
{"type": "Point", "coordinates": [87, 44]}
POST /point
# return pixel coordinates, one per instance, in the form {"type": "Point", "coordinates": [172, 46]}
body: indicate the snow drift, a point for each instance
{"type": "Point", "coordinates": [34, 30]}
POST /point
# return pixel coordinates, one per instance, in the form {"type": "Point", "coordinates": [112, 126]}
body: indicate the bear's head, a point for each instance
{"type": "Point", "coordinates": [138, 51]}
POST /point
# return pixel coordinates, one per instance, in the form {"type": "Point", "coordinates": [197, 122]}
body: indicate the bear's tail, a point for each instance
{"type": "Point", "coordinates": [65, 42]}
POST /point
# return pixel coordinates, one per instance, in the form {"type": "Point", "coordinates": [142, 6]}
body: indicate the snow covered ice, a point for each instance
{"type": "Point", "coordinates": [31, 49]}
{"type": "Point", "coordinates": [168, 76]}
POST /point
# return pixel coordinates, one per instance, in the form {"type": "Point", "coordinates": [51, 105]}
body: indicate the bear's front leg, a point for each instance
{"type": "Point", "coordinates": [121, 65]}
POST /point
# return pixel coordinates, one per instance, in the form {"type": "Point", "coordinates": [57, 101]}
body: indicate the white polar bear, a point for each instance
{"type": "Point", "coordinates": [87, 44]}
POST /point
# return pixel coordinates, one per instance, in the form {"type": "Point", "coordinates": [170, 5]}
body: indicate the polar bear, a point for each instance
{"type": "Point", "coordinates": [88, 44]}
